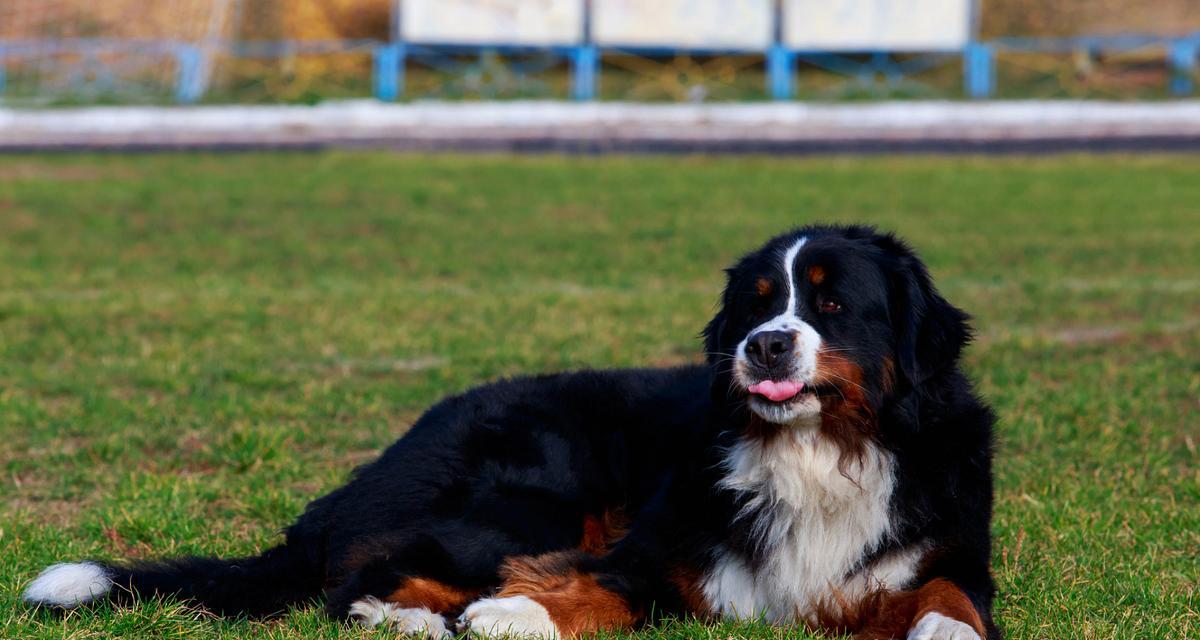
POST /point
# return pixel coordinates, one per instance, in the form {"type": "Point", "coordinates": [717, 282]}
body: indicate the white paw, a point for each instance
{"type": "Point", "coordinates": [68, 585]}
{"type": "Point", "coordinates": [422, 622]}
{"type": "Point", "coordinates": [513, 617]}
{"type": "Point", "coordinates": [935, 626]}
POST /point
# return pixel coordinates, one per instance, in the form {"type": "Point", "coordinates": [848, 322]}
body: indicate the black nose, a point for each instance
{"type": "Point", "coordinates": [770, 349]}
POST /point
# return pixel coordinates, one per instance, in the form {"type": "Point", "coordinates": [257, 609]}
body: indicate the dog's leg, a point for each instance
{"type": "Point", "coordinates": [409, 605]}
{"type": "Point", "coordinates": [407, 621]}
{"type": "Point", "coordinates": [944, 612]}
{"type": "Point", "coordinates": [938, 610]}
{"type": "Point", "coordinates": [549, 596]}
{"type": "Point", "coordinates": [416, 607]}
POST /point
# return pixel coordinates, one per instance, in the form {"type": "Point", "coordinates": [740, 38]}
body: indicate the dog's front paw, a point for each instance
{"type": "Point", "coordinates": [417, 622]}
{"type": "Point", "coordinates": [512, 617]}
{"type": "Point", "coordinates": [935, 626]}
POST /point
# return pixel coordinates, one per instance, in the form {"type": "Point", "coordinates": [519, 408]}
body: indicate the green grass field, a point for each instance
{"type": "Point", "coordinates": [194, 346]}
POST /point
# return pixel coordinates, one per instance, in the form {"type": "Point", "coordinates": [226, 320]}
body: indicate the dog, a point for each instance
{"type": "Point", "coordinates": [829, 465]}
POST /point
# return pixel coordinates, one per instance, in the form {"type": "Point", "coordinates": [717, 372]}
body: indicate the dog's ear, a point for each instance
{"type": "Point", "coordinates": [930, 332]}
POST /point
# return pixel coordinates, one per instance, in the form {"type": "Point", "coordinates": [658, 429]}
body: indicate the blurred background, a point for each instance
{"type": "Point", "coordinates": [66, 52]}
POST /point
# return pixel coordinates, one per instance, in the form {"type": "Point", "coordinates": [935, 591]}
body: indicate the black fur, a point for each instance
{"type": "Point", "coordinates": [513, 468]}
{"type": "Point", "coordinates": [510, 468]}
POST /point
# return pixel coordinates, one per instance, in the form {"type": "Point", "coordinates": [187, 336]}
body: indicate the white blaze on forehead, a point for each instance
{"type": "Point", "coordinates": [807, 340]}
{"type": "Point", "coordinates": [789, 272]}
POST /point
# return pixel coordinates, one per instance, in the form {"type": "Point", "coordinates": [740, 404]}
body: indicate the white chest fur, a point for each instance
{"type": "Point", "coordinates": [813, 524]}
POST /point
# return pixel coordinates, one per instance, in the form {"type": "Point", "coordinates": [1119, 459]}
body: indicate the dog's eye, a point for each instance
{"type": "Point", "coordinates": [829, 306]}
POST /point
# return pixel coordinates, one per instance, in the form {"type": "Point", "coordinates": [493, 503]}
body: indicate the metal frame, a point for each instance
{"type": "Point", "coordinates": [584, 58]}
{"type": "Point", "coordinates": [782, 61]}
{"type": "Point", "coordinates": [391, 58]}
{"type": "Point", "coordinates": [185, 55]}
{"type": "Point", "coordinates": [979, 62]}
{"type": "Point", "coordinates": [190, 58]}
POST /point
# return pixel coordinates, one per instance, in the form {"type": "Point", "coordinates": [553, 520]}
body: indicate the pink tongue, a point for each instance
{"type": "Point", "coordinates": [776, 391]}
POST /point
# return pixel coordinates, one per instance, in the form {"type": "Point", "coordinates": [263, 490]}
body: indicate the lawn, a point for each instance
{"type": "Point", "coordinates": [194, 346]}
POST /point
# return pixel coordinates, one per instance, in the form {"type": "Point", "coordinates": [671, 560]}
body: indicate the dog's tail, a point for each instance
{"type": "Point", "coordinates": [256, 586]}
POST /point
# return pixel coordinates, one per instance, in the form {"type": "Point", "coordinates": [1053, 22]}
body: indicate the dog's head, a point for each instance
{"type": "Point", "coordinates": [829, 321]}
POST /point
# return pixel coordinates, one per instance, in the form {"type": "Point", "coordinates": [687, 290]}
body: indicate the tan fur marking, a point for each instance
{"type": "Point", "coordinates": [840, 615]}
{"type": "Point", "coordinates": [763, 287]}
{"type": "Point", "coordinates": [600, 532]}
{"type": "Point", "coordinates": [431, 594]}
{"type": "Point", "coordinates": [593, 541]}
{"type": "Point", "coordinates": [581, 605]}
{"type": "Point", "coordinates": [846, 416]}
{"type": "Point", "coordinates": [575, 601]}
{"type": "Point", "coordinates": [523, 575]}
{"type": "Point", "coordinates": [889, 375]}
{"type": "Point", "coordinates": [816, 274]}
{"type": "Point", "coordinates": [690, 585]}
{"type": "Point", "coordinates": [944, 597]}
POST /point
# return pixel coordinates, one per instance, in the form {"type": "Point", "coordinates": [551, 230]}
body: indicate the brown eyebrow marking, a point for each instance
{"type": "Point", "coordinates": [763, 287]}
{"type": "Point", "coordinates": [816, 274]}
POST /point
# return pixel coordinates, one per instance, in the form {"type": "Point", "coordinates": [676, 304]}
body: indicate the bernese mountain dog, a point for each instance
{"type": "Point", "coordinates": [829, 466]}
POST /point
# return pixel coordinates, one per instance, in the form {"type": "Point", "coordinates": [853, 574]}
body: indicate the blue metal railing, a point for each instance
{"type": "Point", "coordinates": [979, 59]}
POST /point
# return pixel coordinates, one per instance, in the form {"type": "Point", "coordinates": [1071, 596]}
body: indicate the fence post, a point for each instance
{"type": "Point", "coordinates": [388, 71]}
{"type": "Point", "coordinates": [1183, 65]}
{"type": "Point", "coordinates": [780, 72]}
{"type": "Point", "coordinates": [979, 70]}
{"type": "Point", "coordinates": [189, 75]}
{"type": "Point", "coordinates": [585, 62]}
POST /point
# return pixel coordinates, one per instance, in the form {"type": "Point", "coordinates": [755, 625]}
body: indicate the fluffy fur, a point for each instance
{"type": "Point", "coordinates": [853, 494]}
{"type": "Point", "coordinates": [69, 585]}
{"type": "Point", "coordinates": [512, 616]}
{"type": "Point", "coordinates": [796, 499]}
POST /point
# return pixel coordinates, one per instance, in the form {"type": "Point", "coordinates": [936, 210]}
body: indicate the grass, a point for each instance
{"type": "Point", "coordinates": [193, 346]}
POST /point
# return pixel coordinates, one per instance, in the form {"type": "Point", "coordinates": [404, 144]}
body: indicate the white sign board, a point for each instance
{"type": "Point", "coordinates": [512, 22]}
{"type": "Point", "coordinates": [876, 25]}
{"type": "Point", "coordinates": [706, 24]}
